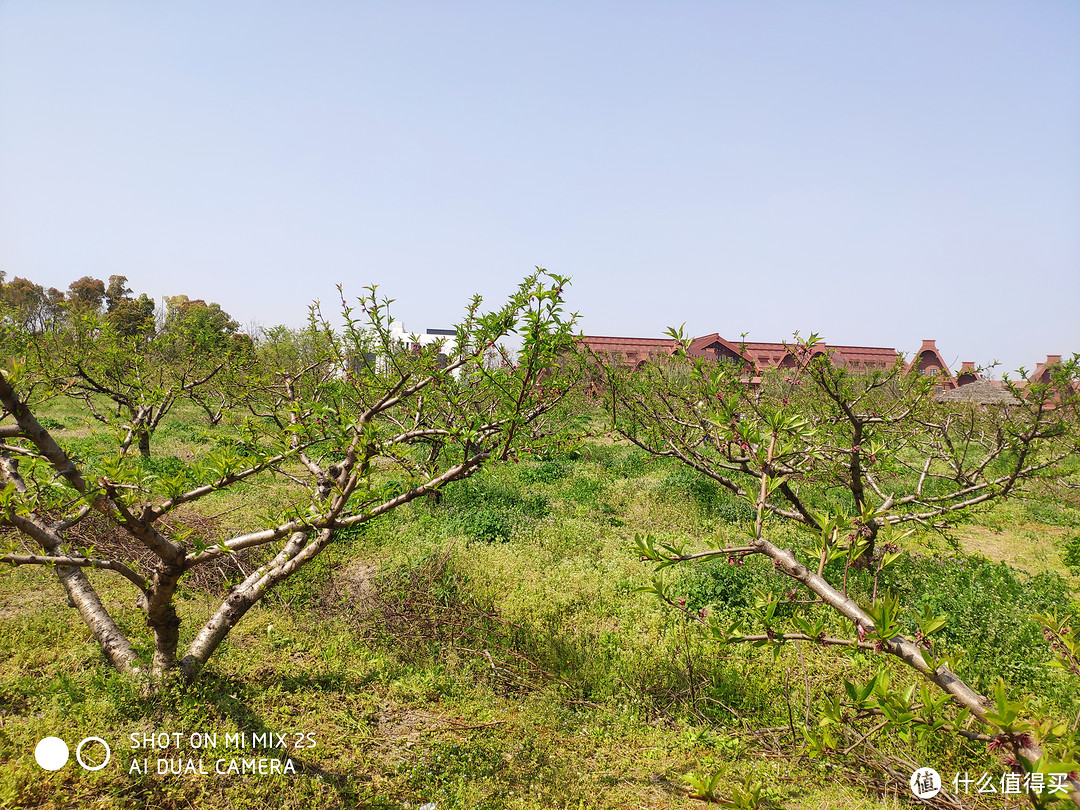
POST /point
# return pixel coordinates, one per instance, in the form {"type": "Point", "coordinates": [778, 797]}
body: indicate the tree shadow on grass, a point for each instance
{"type": "Point", "coordinates": [230, 698]}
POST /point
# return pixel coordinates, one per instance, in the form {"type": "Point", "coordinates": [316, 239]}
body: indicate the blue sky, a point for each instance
{"type": "Point", "coordinates": [878, 173]}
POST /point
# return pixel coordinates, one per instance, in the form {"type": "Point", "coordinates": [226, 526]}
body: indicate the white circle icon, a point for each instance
{"type": "Point", "coordinates": [925, 783]}
{"type": "Point", "coordinates": [104, 762]}
{"type": "Point", "coordinates": [51, 753]}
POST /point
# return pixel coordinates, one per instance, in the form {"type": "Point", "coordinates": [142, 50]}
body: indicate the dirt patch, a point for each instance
{"type": "Point", "coordinates": [356, 582]}
{"type": "Point", "coordinates": [1013, 548]}
{"type": "Point", "coordinates": [407, 724]}
{"type": "Point", "coordinates": [29, 598]}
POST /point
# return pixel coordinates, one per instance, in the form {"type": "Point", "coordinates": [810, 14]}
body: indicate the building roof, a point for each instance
{"type": "Point", "coordinates": [714, 344]}
{"type": "Point", "coordinates": [1042, 371]}
{"type": "Point", "coordinates": [928, 350]}
{"type": "Point", "coordinates": [767, 355]}
{"type": "Point", "coordinates": [967, 373]}
{"type": "Point", "coordinates": [634, 350]}
{"type": "Point", "coordinates": [868, 354]}
{"type": "Point", "coordinates": [981, 392]}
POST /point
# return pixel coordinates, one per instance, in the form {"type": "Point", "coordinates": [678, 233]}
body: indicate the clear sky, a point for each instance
{"type": "Point", "coordinates": [877, 172]}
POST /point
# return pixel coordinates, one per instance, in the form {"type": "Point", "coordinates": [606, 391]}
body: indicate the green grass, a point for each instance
{"type": "Point", "coordinates": [491, 650]}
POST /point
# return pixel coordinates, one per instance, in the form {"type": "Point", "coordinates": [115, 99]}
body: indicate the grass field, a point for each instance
{"type": "Point", "coordinates": [491, 650]}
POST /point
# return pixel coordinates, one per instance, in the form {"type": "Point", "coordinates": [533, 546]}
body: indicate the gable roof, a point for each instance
{"type": "Point", "coordinates": [1042, 371]}
{"type": "Point", "coordinates": [927, 355]}
{"type": "Point", "coordinates": [701, 346]}
{"type": "Point", "coordinates": [967, 373]}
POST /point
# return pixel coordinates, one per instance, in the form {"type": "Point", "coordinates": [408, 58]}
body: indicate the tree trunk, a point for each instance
{"type": "Point", "coordinates": [81, 596]}
{"type": "Point", "coordinates": [161, 618]}
{"type": "Point", "coordinates": [244, 597]}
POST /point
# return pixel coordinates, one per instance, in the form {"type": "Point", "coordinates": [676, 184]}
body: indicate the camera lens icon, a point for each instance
{"type": "Point", "coordinates": [99, 765]}
{"type": "Point", "coordinates": [52, 754]}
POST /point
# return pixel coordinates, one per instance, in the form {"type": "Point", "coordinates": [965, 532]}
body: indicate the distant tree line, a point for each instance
{"type": "Point", "coordinates": [35, 309]}
{"type": "Point", "coordinates": [127, 361]}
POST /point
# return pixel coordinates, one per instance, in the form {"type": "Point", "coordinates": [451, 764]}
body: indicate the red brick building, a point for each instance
{"type": "Point", "coordinates": [967, 374]}
{"type": "Point", "coordinates": [756, 356]}
{"type": "Point", "coordinates": [1042, 370]}
{"type": "Point", "coordinates": [1043, 374]}
{"type": "Point", "coordinates": [630, 351]}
